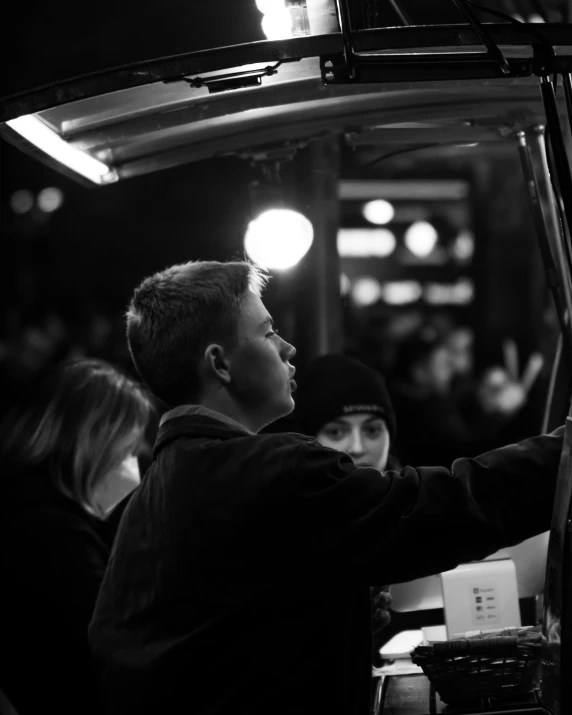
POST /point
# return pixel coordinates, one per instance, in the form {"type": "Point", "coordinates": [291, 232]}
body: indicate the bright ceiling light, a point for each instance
{"type": "Point", "coordinates": [277, 24]}
{"type": "Point", "coordinates": [50, 199]}
{"type": "Point", "coordinates": [421, 238]}
{"type": "Point", "coordinates": [267, 6]}
{"type": "Point", "coordinates": [278, 238]}
{"type": "Point", "coordinates": [41, 136]}
{"type": "Point", "coordinates": [366, 291]}
{"type": "Point", "coordinates": [366, 242]}
{"type": "Point", "coordinates": [379, 212]}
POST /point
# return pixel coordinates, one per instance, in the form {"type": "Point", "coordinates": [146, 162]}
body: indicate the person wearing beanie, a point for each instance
{"type": "Point", "coordinates": [345, 405]}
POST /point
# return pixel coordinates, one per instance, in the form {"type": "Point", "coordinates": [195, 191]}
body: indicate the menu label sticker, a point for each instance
{"type": "Point", "coordinates": [485, 609]}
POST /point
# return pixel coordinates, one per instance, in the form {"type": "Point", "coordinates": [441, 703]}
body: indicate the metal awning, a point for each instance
{"type": "Point", "coordinates": [415, 85]}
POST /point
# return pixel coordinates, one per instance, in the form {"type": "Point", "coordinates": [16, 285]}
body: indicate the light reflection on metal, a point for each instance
{"type": "Point", "coordinates": [48, 141]}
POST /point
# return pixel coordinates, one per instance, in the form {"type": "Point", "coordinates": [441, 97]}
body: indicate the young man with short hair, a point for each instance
{"type": "Point", "coordinates": [239, 580]}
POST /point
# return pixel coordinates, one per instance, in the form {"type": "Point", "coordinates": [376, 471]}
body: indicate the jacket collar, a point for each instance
{"type": "Point", "coordinates": [186, 410]}
{"type": "Point", "coordinates": [197, 424]}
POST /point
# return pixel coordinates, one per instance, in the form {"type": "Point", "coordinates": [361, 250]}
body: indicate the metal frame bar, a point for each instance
{"type": "Point", "coordinates": [493, 51]}
{"type": "Point", "coordinates": [532, 150]}
{"type": "Point", "coordinates": [548, 231]}
{"type": "Point", "coordinates": [162, 69]}
{"type": "Point", "coordinates": [558, 146]}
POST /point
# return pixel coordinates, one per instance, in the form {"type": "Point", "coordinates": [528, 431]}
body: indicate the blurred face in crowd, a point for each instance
{"type": "Point", "coordinates": [460, 344]}
{"type": "Point", "coordinates": [262, 376]}
{"type": "Point", "coordinates": [436, 370]}
{"type": "Point", "coordinates": [363, 436]}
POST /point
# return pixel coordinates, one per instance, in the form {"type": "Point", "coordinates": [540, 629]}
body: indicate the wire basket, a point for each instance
{"type": "Point", "coordinates": [482, 664]}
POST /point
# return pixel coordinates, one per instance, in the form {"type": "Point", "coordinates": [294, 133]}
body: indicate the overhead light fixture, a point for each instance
{"type": "Point", "coordinates": [277, 24]}
{"type": "Point", "coordinates": [284, 19]}
{"type": "Point", "coordinates": [378, 211]}
{"type": "Point", "coordinates": [421, 238]}
{"type": "Point", "coordinates": [50, 142]}
{"type": "Point", "coordinates": [278, 238]}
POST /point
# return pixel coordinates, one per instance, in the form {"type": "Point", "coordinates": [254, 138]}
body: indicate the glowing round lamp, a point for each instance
{"type": "Point", "coordinates": [50, 199]}
{"type": "Point", "coordinates": [277, 24]}
{"type": "Point", "coordinates": [421, 238]}
{"type": "Point", "coordinates": [279, 238]}
{"type": "Point", "coordinates": [378, 212]}
{"type": "Point", "coordinates": [366, 291]}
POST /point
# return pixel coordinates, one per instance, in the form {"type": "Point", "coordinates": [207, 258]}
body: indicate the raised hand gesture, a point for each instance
{"type": "Point", "coordinates": [503, 391]}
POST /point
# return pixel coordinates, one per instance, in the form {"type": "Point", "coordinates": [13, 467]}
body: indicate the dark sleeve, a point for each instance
{"type": "Point", "coordinates": [60, 558]}
{"type": "Point", "coordinates": [397, 526]}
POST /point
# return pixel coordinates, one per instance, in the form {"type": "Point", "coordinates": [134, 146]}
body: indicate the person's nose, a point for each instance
{"type": "Point", "coordinates": [288, 351]}
{"type": "Point", "coordinates": [356, 446]}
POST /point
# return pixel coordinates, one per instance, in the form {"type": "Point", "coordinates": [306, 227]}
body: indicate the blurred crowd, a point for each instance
{"type": "Point", "coordinates": [446, 405]}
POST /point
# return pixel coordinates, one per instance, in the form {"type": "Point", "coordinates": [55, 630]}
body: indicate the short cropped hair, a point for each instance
{"type": "Point", "coordinates": [77, 425]}
{"type": "Point", "coordinates": [176, 313]}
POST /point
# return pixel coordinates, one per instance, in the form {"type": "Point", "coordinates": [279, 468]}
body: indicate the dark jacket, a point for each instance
{"type": "Point", "coordinates": [239, 580]}
{"type": "Point", "coordinates": [52, 561]}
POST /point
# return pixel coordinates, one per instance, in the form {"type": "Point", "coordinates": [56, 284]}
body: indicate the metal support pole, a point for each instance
{"type": "Point", "coordinates": [551, 243]}
{"type": "Point", "coordinates": [547, 228]}
{"type": "Point", "coordinates": [558, 146]}
{"type": "Point", "coordinates": [345, 26]}
{"type": "Point", "coordinates": [567, 84]}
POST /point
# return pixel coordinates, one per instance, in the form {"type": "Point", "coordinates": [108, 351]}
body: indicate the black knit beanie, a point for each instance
{"type": "Point", "coordinates": [336, 385]}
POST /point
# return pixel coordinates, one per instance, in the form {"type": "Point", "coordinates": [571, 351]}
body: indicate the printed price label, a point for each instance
{"type": "Point", "coordinates": [484, 605]}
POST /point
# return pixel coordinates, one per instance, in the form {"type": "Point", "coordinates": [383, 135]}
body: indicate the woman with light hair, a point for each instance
{"type": "Point", "coordinates": [68, 456]}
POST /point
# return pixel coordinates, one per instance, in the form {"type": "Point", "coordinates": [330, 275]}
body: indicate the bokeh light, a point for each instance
{"type": "Point", "coordinates": [378, 211]}
{"type": "Point", "coordinates": [21, 201]}
{"type": "Point", "coordinates": [366, 291]}
{"type": "Point", "coordinates": [421, 238]}
{"type": "Point", "coordinates": [278, 238]}
{"type": "Point", "coordinates": [50, 199]}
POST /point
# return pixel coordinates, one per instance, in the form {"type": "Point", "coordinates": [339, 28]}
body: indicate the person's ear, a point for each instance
{"type": "Point", "coordinates": [216, 363]}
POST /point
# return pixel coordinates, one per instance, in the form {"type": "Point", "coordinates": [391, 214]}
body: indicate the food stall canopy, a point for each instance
{"type": "Point", "coordinates": [405, 85]}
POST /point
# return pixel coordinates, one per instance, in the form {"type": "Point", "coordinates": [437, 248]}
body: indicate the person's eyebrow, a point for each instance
{"type": "Point", "coordinates": [268, 321]}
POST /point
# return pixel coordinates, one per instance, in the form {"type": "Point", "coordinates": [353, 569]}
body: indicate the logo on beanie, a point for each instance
{"type": "Point", "coordinates": [348, 409]}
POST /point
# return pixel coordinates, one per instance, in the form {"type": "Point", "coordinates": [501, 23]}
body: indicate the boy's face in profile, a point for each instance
{"type": "Point", "coordinates": [260, 366]}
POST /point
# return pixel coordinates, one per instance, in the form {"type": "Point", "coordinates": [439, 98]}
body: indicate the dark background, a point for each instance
{"type": "Point", "coordinates": [79, 264]}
